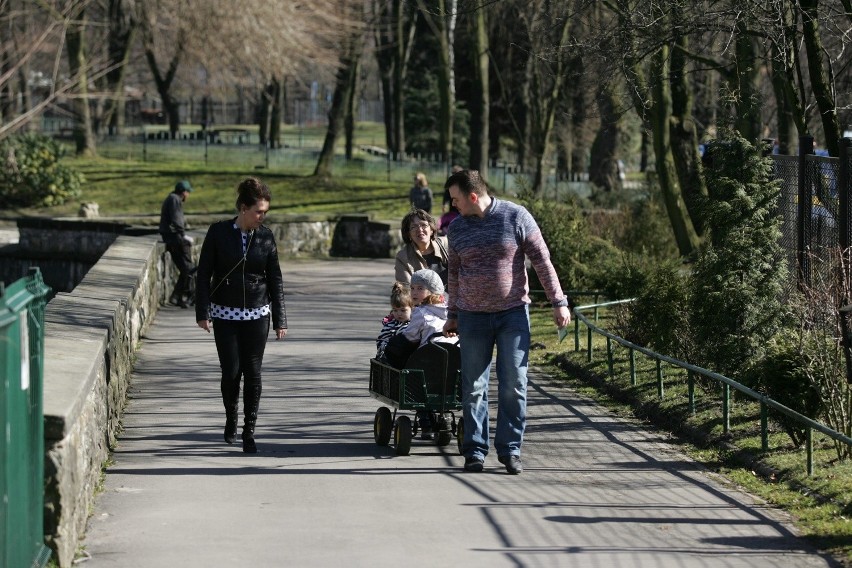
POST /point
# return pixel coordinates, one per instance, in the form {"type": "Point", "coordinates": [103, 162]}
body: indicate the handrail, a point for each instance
{"type": "Point", "coordinates": [692, 370]}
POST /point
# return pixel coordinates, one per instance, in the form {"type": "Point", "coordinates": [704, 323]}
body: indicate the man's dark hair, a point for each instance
{"type": "Point", "coordinates": [468, 181]}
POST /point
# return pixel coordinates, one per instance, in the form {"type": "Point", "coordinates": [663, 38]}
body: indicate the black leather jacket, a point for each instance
{"type": "Point", "coordinates": [228, 278]}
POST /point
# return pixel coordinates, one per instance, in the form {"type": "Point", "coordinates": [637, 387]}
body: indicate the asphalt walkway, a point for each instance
{"type": "Point", "coordinates": [596, 490]}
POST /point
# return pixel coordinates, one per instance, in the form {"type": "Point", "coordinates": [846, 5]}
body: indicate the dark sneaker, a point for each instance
{"type": "Point", "coordinates": [474, 464]}
{"type": "Point", "coordinates": [512, 463]}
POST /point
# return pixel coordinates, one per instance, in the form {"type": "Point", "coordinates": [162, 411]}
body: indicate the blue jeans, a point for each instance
{"type": "Point", "coordinates": [479, 333]}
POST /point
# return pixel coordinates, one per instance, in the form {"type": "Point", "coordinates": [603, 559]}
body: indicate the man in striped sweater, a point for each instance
{"type": "Point", "coordinates": [489, 306]}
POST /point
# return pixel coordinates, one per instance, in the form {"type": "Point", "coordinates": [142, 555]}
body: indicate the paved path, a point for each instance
{"type": "Point", "coordinates": [596, 491]}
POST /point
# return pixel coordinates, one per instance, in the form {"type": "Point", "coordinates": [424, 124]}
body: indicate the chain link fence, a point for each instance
{"type": "Point", "coordinates": [814, 206]}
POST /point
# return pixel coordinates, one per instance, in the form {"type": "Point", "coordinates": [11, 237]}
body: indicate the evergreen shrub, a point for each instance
{"type": "Point", "coordinates": [32, 175]}
{"type": "Point", "coordinates": [737, 281]}
{"type": "Point", "coordinates": [581, 260]}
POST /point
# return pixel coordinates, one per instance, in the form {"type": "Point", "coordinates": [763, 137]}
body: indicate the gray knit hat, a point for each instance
{"type": "Point", "coordinates": [429, 279]}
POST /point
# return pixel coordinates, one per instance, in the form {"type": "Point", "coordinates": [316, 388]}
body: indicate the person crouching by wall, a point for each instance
{"type": "Point", "coordinates": [239, 288]}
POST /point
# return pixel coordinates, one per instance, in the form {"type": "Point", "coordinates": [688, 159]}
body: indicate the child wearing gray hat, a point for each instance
{"type": "Point", "coordinates": [430, 309]}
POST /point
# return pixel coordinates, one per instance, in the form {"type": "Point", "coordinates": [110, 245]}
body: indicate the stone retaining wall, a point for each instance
{"type": "Point", "coordinates": [91, 335]}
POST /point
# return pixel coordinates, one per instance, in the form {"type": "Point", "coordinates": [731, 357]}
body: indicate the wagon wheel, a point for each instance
{"type": "Point", "coordinates": [402, 435]}
{"type": "Point", "coordinates": [445, 434]}
{"type": "Point", "coordinates": [460, 436]}
{"type": "Point", "coordinates": [382, 426]}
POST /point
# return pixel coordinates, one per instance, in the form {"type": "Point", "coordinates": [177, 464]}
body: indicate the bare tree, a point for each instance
{"type": "Point", "coordinates": [265, 40]}
{"type": "Point", "coordinates": [822, 80]}
{"type": "Point", "coordinates": [123, 23]}
{"type": "Point", "coordinates": [84, 137]}
{"type": "Point", "coordinates": [440, 16]}
{"type": "Point", "coordinates": [648, 82]}
{"type": "Point", "coordinates": [480, 107]}
{"type": "Point", "coordinates": [32, 33]}
{"type": "Point", "coordinates": [395, 24]}
{"type": "Point", "coordinates": [341, 104]}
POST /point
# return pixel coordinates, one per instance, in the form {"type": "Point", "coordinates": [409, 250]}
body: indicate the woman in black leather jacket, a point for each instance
{"type": "Point", "coordinates": [239, 288]}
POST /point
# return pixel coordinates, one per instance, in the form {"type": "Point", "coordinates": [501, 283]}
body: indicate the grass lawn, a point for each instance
{"type": "Point", "coordinates": [133, 188]}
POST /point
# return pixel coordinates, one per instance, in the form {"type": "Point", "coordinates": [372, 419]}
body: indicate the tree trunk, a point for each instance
{"type": "Point", "coordinates": [821, 83]}
{"type": "Point", "coordinates": [83, 136]}
{"type": "Point", "coordinates": [352, 109]}
{"type": "Point", "coordinates": [122, 32]}
{"type": "Point", "coordinates": [480, 109]}
{"type": "Point", "coordinates": [337, 113]}
{"type": "Point", "coordinates": [748, 103]}
{"type": "Point", "coordinates": [400, 66]}
{"type": "Point", "coordinates": [164, 84]}
{"type": "Point", "coordinates": [653, 103]}
{"type": "Point", "coordinates": [276, 112]}
{"type": "Point", "coordinates": [684, 137]}
{"type": "Point", "coordinates": [442, 25]}
{"type": "Point", "coordinates": [685, 236]}
{"type": "Point", "coordinates": [6, 55]}
{"type": "Point", "coordinates": [603, 165]}
{"type": "Point", "coordinates": [540, 143]}
{"type": "Point", "coordinates": [385, 58]}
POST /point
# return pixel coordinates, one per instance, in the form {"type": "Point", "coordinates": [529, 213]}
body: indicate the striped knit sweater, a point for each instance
{"type": "Point", "coordinates": [486, 260]}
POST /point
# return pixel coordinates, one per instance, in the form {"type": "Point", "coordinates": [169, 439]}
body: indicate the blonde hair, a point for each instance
{"type": "Point", "coordinates": [401, 296]}
{"type": "Point", "coordinates": [433, 299]}
{"type": "Point", "coordinates": [420, 179]}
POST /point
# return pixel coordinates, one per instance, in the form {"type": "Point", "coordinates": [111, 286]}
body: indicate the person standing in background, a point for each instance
{"type": "Point", "coordinates": [420, 195]}
{"type": "Point", "coordinates": [489, 307]}
{"type": "Point", "coordinates": [178, 243]}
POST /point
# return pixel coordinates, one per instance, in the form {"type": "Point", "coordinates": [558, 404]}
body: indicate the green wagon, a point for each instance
{"type": "Point", "coordinates": [430, 382]}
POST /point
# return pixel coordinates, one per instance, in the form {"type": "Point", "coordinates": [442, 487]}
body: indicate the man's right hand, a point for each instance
{"type": "Point", "coordinates": [451, 327]}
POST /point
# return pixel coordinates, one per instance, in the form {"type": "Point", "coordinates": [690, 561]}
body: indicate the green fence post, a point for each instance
{"type": "Point", "coordinates": [609, 355]}
{"type": "Point", "coordinates": [22, 446]}
{"type": "Point", "coordinates": [810, 443]}
{"type": "Point", "coordinates": [726, 407]}
{"type": "Point", "coordinates": [690, 389]}
{"type": "Point", "coordinates": [632, 367]}
{"type": "Point", "coordinates": [589, 346]}
{"type": "Point", "coordinates": [764, 427]}
{"type": "Point", "coordinates": [576, 334]}
{"type": "Point", "coordinates": [660, 388]}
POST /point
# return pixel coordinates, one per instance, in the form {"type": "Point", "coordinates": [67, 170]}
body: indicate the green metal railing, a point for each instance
{"type": "Point", "coordinates": [22, 440]}
{"type": "Point", "coordinates": [692, 371]}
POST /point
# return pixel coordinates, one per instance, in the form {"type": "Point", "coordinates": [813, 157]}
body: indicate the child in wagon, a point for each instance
{"type": "Point", "coordinates": [398, 318]}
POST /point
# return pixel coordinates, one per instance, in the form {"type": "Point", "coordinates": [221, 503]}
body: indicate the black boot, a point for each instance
{"type": "Point", "coordinates": [231, 426]}
{"type": "Point", "coordinates": [249, 447]}
{"type": "Point", "coordinates": [251, 402]}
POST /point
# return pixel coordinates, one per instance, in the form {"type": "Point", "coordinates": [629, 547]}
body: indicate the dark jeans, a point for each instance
{"type": "Point", "coordinates": [181, 253]}
{"type": "Point", "coordinates": [240, 345]}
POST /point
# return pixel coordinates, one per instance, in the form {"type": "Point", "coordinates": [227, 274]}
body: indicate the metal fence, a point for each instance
{"type": "Point", "coordinates": [692, 371]}
{"type": "Point", "coordinates": [300, 152]}
{"type": "Point", "coordinates": [21, 416]}
{"type": "Point", "coordinates": [814, 205]}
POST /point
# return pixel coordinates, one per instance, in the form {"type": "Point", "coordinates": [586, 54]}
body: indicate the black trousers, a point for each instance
{"type": "Point", "coordinates": [240, 345]}
{"type": "Point", "coordinates": [181, 253]}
